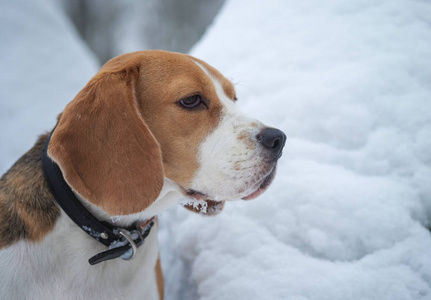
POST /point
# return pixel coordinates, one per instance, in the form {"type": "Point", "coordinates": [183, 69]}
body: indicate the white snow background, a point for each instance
{"type": "Point", "coordinates": [350, 84]}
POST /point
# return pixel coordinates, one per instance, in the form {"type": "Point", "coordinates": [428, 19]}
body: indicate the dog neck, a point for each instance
{"type": "Point", "coordinates": [122, 240]}
{"type": "Point", "coordinates": [169, 195]}
{"type": "Point", "coordinates": [37, 237]}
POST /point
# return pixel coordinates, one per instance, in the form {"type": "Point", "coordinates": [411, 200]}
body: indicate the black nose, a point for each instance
{"type": "Point", "coordinates": [273, 140]}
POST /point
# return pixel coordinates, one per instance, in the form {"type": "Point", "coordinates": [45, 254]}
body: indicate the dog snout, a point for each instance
{"type": "Point", "coordinates": [273, 140]}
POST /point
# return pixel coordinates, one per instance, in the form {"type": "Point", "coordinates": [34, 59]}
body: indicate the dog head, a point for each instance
{"type": "Point", "coordinates": [151, 115]}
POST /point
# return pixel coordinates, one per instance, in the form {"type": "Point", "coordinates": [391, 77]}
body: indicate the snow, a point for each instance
{"type": "Point", "coordinates": [43, 64]}
{"type": "Point", "coordinates": [347, 81]}
{"type": "Point", "coordinates": [345, 218]}
{"type": "Point", "coordinates": [199, 205]}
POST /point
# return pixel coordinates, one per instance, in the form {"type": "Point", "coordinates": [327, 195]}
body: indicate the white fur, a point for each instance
{"type": "Point", "coordinates": [231, 165]}
{"type": "Point", "coordinates": [169, 195]}
{"type": "Point", "coordinates": [58, 268]}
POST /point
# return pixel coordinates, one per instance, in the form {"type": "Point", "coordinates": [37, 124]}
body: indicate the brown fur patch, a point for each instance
{"type": "Point", "coordinates": [27, 208]}
{"type": "Point", "coordinates": [227, 85]}
{"type": "Point", "coordinates": [244, 136]}
{"type": "Point", "coordinates": [159, 278]}
{"type": "Point", "coordinates": [109, 138]}
{"type": "Point", "coordinates": [105, 150]}
{"type": "Point", "coordinates": [166, 78]}
{"type": "Point", "coordinates": [116, 140]}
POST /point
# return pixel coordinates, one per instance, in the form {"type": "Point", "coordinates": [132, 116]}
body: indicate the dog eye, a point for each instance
{"type": "Point", "coordinates": [191, 102]}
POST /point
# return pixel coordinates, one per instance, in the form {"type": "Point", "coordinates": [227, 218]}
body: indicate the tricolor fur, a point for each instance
{"type": "Point", "coordinates": [129, 149]}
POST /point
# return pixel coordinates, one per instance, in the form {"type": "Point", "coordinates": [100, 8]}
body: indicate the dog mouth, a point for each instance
{"type": "Point", "coordinates": [200, 202]}
{"type": "Point", "coordinates": [266, 182]}
{"type": "Point", "coordinates": [206, 207]}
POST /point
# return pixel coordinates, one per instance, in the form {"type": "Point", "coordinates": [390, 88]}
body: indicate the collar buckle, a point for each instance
{"type": "Point", "coordinates": [133, 246]}
{"type": "Point", "coordinates": [120, 241]}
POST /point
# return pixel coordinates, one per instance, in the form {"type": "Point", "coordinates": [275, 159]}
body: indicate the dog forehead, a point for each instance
{"type": "Point", "coordinates": [181, 72]}
{"type": "Point", "coordinates": [217, 78]}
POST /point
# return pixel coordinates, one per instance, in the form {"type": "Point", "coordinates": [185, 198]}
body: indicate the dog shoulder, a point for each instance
{"type": "Point", "coordinates": [27, 208]}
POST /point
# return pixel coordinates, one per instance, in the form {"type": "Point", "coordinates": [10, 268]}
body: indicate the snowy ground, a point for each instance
{"type": "Point", "coordinates": [348, 81]}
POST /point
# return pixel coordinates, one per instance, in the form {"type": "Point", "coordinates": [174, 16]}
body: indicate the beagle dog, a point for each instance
{"type": "Point", "coordinates": [149, 129]}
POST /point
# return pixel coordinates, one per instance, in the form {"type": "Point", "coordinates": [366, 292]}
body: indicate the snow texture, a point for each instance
{"type": "Point", "coordinates": [348, 81]}
{"type": "Point", "coordinates": [200, 205]}
{"type": "Point", "coordinates": [43, 65]}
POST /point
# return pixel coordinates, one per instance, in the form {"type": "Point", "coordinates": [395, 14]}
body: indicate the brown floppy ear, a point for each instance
{"type": "Point", "coordinates": [102, 145]}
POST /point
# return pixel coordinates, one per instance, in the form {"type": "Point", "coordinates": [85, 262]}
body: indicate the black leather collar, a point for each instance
{"type": "Point", "coordinates": [122, 242]}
